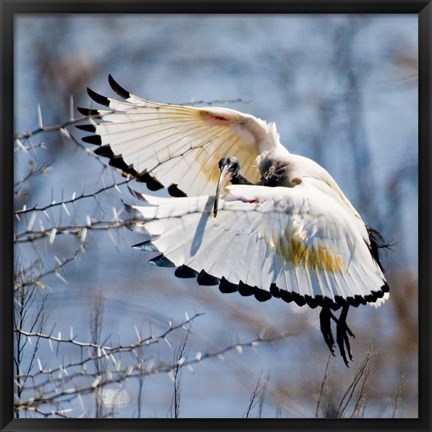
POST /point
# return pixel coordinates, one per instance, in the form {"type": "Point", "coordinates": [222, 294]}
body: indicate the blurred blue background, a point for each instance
{"type": "Point", "coordinates": [342, 90]}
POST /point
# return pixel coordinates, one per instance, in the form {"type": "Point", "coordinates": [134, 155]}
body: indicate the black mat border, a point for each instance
{"type": "Point", "coordinates": [7, 11]}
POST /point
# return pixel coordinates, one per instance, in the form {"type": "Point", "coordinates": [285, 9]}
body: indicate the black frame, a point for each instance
{"type": "Point", "coordinates": [10, 7]}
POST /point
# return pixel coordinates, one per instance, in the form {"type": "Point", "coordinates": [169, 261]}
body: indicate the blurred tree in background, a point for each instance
{"type": "Point", "coordinates": [100, 333]}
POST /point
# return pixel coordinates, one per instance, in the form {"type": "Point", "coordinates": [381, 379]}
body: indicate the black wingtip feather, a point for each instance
{"type": "Point", "coordinates": [88, 112]}
{"type": "Point", "coordinates": [245, 290]}
{"type": "Point", "coordinates": [98, 97]}
{"type": "Point", "coordinates": [286, 296]}
{"type": "Point", "coordinates": [104, 151]}
{"type": "Point", "coordinates": [146, 246]}
{"type": "Point", "coordinates": [145, 177]}
{"type": "Point", "coordinates": [174, 191]}
{"type": "Point", "coordinates": [274, 290]}
{"type": "Point", "coordinates": [118, 88]}
{"type": "Point", "coordinates": [317, 301]}
{"type": "Point", "coordinates": [86, 127]}
{"type": "Point", "coordinates": [300, 300]}
{"type": "Point", "coordinates": [313, 302]}
{"type": "Point", "coordinates": [162, 261]}
{"type": "Point", "coordinates": [118, 162]}
{"type": "Point", "coordinates": [226, 287]}
{"type": "Point", "coordinates": [206, 279]}
{"type": "Point", "coordinates": [92, 139]}
{"type": "Point", "coordinates": [153, 184]}
{"type": "Point", "coordinates": [185, 272]}
{"type": "Point", "coordinates": [262, 295]}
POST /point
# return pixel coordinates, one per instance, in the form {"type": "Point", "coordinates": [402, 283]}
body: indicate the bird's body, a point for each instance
{"type": "Point", "coordinates": [282, 229]}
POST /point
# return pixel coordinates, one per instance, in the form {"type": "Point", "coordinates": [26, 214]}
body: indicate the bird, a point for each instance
{"type": "Point", "coordinates": [242, 212]}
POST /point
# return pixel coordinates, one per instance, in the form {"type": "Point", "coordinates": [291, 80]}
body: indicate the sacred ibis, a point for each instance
{"type": "Point", "coordinates": [244, 212]}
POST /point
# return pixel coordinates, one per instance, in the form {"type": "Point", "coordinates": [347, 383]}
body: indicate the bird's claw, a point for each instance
{"type": "Point", "coordinates": [342, 336]}
{"type": "Point", "coordinates": [342, 333]}
{"type": "Point", "coordinates": [325, 317]}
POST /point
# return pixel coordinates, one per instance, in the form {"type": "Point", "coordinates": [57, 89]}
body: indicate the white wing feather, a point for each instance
{"type": "Point", "coordinates": [298, 239]}
{"type": "Point", "coordinates": [301, 241]}
{"type": "Point", "coordinates": [178, 144]}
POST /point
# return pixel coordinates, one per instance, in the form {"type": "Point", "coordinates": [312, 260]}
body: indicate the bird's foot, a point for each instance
{"type": "Point", "coordinates": [325, 316]}
{"type": "Point", "coordinates": [342, 336]}
{"type": "Point", "coordinates": [342, 332]}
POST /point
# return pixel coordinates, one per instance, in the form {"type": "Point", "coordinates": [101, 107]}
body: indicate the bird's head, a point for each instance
{"type": "Point", "coordinates": [229, 169]}
{"type": "Point", "coordinates": [231, 165]}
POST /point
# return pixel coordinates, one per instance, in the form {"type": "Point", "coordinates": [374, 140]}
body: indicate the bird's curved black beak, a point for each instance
{"type": "Point", "coordinates": [224, 178]}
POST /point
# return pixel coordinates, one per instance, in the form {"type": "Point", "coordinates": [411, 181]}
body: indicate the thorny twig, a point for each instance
{"type": "Point", "coordinates": [77, 230]}
{"type": "Point", "coordinates": [72, 200]}
{"type": "Point", "coordinates": [363, 372]}
{"type": "Point", "coordinates": [54, 128]}
{"type": "Point", "coordinates": [66, 374]}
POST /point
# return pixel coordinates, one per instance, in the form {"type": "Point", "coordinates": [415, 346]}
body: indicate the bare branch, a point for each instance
{"type": "Point", "coordinates": [54, 128]}
{"type": "Point", "coordinates": [72, 200]}
{"type": "Point", "coordinates": [76, 230]}
{"type": "Point", "coordinates": [326, 372]}
{"type": "Point", "coordinates": [362, 372]}
{"type": "Point", "coordinates": [257, 394]}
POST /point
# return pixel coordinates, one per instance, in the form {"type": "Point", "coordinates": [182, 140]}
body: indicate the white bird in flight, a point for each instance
{"type": "Point", "coordinates": [282, 228]}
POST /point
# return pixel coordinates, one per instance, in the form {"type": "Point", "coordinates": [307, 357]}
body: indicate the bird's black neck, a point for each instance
{"type": "Point", "coordinates": [240, 179]}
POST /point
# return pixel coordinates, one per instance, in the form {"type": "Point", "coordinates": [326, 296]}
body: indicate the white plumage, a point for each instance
{"type": "Point", "coordinates": [291, 234]}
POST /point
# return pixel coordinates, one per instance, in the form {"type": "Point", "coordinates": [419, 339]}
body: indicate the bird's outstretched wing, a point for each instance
{"type": "Point", "coordinates": [300, 244]}
{"type": "Point", "coordinates": [175, 146]}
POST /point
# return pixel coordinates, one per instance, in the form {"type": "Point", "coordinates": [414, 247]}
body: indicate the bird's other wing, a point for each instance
{"type": "Point", "coordinates": [298, 244]}
{"type": "Point", "coordinates": [175, 146]}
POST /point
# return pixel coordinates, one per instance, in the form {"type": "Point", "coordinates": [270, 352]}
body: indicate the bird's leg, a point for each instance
{"type": "Point", "coordinates": [325, 316]}
{"type": "Point", "coordinates": [342, 333]}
